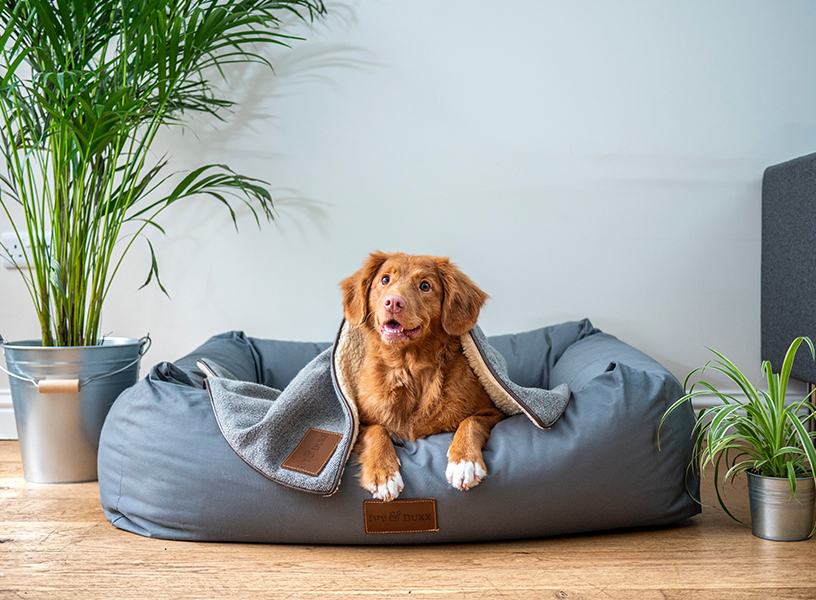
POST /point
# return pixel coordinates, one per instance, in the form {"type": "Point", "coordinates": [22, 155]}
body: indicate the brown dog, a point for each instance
{"type": "Point", "coordinates": [415, 380]}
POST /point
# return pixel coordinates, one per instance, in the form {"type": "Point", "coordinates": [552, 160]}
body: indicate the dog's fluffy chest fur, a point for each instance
{"type": "Point", "coordinates": [416, 395]}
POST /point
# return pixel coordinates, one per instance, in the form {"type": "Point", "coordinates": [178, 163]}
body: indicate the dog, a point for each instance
{"type": "Point", "coordinates": [415, 380]}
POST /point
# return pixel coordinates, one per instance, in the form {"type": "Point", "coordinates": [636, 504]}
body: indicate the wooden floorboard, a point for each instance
{"type": "Point", "coordinates": [56, 543]}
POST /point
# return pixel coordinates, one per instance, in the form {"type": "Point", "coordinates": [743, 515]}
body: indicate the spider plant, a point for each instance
{"type": "Point", "coordinates": [761, 434]}
{"type": "Point", "coordinates": [85, 87]}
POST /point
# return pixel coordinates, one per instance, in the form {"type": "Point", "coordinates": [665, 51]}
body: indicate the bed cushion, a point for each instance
{"type": "Point", "coordinates": [165, 470]}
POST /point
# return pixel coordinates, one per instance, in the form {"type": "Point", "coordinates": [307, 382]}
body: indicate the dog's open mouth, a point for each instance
{"type": "Point", "coordinates": [393, 331]}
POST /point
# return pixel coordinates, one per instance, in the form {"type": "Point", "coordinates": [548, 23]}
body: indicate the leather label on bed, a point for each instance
{"type": "Point", "coordinates": [313, 452]}
{"type": "Point", "coordinates": [400, 516]}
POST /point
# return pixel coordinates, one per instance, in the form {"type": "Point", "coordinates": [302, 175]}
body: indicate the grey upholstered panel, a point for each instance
{"type": "Point", "coordinates": [165, 470]}
{"type": "Point", "coordinates": [788, 267]}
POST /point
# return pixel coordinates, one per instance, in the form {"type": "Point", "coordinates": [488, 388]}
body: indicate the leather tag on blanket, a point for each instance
{"type": "Point", "coordinates": [313, 452]}
{"type": "Point", "coordinates": [400, 516]}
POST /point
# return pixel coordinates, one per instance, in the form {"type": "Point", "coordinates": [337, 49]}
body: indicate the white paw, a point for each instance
{"type": "Point", "coordinates": [464, 474]}
{"type": "Point", "coordinates": [389, 490]}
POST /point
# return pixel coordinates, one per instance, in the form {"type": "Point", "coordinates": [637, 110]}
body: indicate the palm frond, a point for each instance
{"type": "Point", "coordinates": [84, 89]}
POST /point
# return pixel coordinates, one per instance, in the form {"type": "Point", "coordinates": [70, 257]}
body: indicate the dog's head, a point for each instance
{"type": "Point", "coordinates": [405, 298]}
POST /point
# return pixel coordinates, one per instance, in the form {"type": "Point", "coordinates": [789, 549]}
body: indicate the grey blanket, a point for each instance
{"type": "Point", "coordinates": [316, 417]}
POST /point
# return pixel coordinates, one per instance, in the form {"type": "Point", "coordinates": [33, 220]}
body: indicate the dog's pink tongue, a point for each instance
{"type": "Point", "coordinates": [392, 327]}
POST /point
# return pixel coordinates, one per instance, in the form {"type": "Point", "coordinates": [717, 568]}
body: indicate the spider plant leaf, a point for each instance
{"type": "Point", "coordinates": [791, 450]}
{"type": "Point", "coordinates": [726, 398]}
{"type": "Point", "coordinates": [692, 373]}
{"type": "Point", "coordinates": [719, 495]}
{"type": "Point", "coordinates": [806, 442]}
{"type": "Point", "coordinates": [769, 404]}
{"type": "Point", "coordinates": [802, 410]}
{"type": "Point", "coordinates": [787, 363]}
{"type": "Point", "coordinates": [721, 443]}
{"type": "Point", "coordinates": [678, 403]}
{"type": "Point", "coordinates": [773, 387]}
{"type": "Point", "coordinates": [762, 417]}
{"type": "Point", "coordinates": [725, 414]}
{"type": "Point", "coordinates": [737, 468]}
{"type": "Point", "coordinates": [791, 475]}
{"type": "Point", "coordinates": [735, 375]}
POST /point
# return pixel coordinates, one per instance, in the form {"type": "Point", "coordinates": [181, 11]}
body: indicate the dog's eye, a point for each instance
{"type": "Point", "coordinates": [425, 286]}
{"type": "Point", "coordinates": [385, 280]}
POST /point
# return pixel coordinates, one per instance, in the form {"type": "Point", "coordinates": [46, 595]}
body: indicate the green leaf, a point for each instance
{"type": "Point", "coordinates": [154, 270]}
{"type": "Point", "coordinates": [787, 363]}
{"type": "Point", "coordinates": [720, 499]}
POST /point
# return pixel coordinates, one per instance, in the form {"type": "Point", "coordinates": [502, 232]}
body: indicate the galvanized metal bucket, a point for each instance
{"type": "Point", "coordinates": [775, 513]}
{"type": "Point", "coordinates": [61, 396]}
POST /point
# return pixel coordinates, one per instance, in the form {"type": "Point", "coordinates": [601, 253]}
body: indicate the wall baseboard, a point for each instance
{"type": "Point", "coordinates": [8, 428]}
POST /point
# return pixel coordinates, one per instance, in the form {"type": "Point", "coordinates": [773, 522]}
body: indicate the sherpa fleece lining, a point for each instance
{"type": "Point", "coordinates": [350, 353]}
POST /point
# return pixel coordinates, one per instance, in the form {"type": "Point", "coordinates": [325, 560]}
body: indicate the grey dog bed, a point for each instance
{"type": "Point", "coordinates": [166, 470]}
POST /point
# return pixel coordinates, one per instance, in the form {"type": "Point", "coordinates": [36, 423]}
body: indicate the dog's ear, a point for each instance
{"type": "Point", "coordinates": [462, 299]}
{"type": "Point", "coordinates": [356, 288]}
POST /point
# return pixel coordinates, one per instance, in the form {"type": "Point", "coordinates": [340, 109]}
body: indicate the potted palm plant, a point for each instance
{"type": "Point", "coordinates": [84, 89]}
{"type": "Point", "coordinates": [763, 436]}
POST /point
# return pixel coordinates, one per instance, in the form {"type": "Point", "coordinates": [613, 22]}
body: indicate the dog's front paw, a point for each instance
{"type": "Point", "coordinates": [388, 489]}
{"type": "Point", "coordinates": [464, 474]}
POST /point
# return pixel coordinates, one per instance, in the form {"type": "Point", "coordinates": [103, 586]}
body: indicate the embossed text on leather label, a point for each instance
{"type": "Point", "coordinates": [400, 516]}
{"type": "Point", "coordinates": [313, 452]}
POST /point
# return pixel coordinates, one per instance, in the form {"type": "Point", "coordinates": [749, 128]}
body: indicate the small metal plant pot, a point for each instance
{"type": "Point", "coordinates": [61, 396]}
{"type": "Point", "coordinates": [778, 515]}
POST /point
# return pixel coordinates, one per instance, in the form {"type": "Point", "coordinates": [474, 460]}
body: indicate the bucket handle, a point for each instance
{"type": "Point", "coordinates": [58, 386]}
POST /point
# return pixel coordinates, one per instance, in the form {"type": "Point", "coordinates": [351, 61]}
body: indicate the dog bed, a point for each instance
{"type": "Point", "coordinates": [167, 471]}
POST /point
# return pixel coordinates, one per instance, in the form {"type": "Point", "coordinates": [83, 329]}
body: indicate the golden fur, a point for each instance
{"type": "Point", "coordinates": [415, 380]}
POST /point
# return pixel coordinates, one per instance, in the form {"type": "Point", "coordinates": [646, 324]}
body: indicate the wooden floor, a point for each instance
{"type": "Point", "coordinates": [56, 543]}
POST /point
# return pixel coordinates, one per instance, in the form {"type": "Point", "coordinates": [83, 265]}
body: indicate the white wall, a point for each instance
{"type": "Point", "coordinates": [577, 159]}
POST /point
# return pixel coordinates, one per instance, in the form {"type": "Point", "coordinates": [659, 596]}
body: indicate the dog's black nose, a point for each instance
{"type": "Point", "coordinates": [394, 303]}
